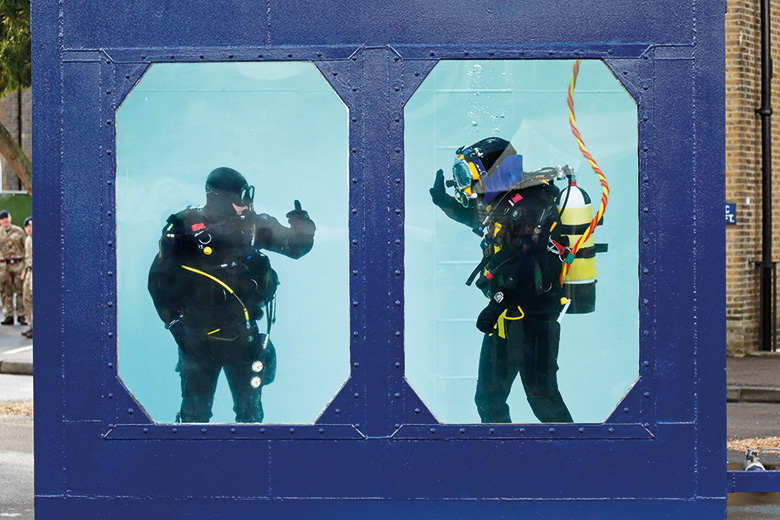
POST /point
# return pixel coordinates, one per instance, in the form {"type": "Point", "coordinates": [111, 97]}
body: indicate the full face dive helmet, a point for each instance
{"type": "Point", "coordinates": [225, 187]}
{"type": "Point", "coordinates": [475, 164]}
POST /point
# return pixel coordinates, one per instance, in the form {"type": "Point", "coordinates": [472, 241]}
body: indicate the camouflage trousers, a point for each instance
{"type": "Point", "coordinates": [27, 297]}
{"type": "Point", "coordinates": [10, 283]}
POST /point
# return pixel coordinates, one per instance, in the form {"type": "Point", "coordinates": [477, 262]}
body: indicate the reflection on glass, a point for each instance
{"type": "Point", "coordinates": [254, 141]}
{"type": "Point", "coordinates": [521, 183]}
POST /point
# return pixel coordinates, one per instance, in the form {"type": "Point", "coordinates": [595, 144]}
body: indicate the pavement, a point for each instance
{"type": "Point", "coordinates": [753, 378]}
{"type": "Point", "coordinates": [16, 351]}
{"type": "Point", "coordinates": [16, 430]}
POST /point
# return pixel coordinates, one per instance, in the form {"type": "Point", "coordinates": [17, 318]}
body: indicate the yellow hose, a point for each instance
{"type": "Point", "coordinates": [604, 186]}
{"type": "Point", "coordinates": [223, 284]}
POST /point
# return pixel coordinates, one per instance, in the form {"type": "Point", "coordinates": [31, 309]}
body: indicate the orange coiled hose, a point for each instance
{"type": "Point", "coordinates": [605, 187]}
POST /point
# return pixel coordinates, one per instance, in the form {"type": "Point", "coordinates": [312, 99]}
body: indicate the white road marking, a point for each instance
{"type": "Point", "coordinates": [14, 351]}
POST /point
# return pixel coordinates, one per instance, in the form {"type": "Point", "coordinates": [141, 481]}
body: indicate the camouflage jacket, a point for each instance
{"type": "Point", "coordinates": [12, 243]}
{"type": "Point", "coordinates": [28, 252]}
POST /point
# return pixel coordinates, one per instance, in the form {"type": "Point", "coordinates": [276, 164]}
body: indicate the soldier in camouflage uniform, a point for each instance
{"type": "Point", "coordinates": [28, 279]}
{"type": "Point", "coordinates": [12, 240]}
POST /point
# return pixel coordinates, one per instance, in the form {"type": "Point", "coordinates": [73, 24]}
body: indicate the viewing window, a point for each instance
{"type": "Point", "coordinates": [498, 130]}
{"type": "Point", "coordinates": [224, 170]}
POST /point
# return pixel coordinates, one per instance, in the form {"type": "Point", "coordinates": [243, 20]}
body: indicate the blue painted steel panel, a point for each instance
{"type": "Point", "coordinates": [509, 22]}
{"type": "Point", "coordinates": [710, 322]}
{"type": "Point", "coordinates": [123, 508]}
{"type": "Point", "coordinates": [753, 481]}
{"type": "Point", "coordinates": [47, 207]}
{"type": "Point", "coordinates": [206, 23]}
{"type": "Point", "coordinates": [377, 451]}
{"type": "Point", "coordinates": [189, 468]}
{"type": "Point", "coordinates": [675, 290]}
{"type": "Point", "coordinates": [430, 470]}
{"type": "Point", "coordinates": [83, 275]}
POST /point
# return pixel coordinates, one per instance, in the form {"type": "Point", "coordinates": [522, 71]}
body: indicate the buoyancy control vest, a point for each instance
{"type": "Point", "coordinates": [517, 260]}
{"type": "Point", "coordinates": [227, 277]}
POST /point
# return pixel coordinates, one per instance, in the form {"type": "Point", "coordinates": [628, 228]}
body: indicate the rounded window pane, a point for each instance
{"type": "Point", "coordinates": [487, 240]}
{"type": "Point", "coordinates": [231, 189]}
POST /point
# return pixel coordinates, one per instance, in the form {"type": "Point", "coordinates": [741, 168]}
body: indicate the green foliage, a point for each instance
{"type": "Point", "coordinates": [15, 46]}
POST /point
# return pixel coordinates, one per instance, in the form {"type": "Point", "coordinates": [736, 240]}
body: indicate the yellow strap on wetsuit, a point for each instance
{"type": "Point", "coordinates": [496, 230]}
{"type": "Point", "coordinates": [501, 326]}
{"type": "Point", "coordinates": [223, 284]}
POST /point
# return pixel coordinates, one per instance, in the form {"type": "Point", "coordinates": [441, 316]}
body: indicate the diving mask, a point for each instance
{"type": "Point", "coordinates": [247, 196]}
{"type": "Point", "coordinates": [244, 197]}
{"type": "Point", "coordinates": [465, 174]}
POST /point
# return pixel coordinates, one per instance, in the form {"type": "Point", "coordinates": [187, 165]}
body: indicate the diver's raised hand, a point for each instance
{"type": "Point", "coordinates": [297, 213]}
{"type": "Point", "coordinates": [438, 191]}
{"type": "Point", "coordinates": [299, 220]}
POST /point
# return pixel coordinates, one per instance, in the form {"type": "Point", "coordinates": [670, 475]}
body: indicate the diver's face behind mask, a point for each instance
{"type": "Point", "coordinates": [228, 193]}
{"type": "Point", "coordinates": [474, 165]}
{"type": "Point", "coordinates": [465, 174]}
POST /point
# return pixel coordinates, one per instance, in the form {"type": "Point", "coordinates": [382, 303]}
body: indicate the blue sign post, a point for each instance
{"type": "Point", "coordinates": [340, 116]}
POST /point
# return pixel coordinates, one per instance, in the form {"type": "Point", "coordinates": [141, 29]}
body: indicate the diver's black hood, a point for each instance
{"type": "Point", "coordinates": [491, 151]}
{"type": "Point", "coordinates": [225, 187]}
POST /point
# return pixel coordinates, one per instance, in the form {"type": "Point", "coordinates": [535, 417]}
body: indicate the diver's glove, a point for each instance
{"type": "Point", "coordinates": [438, 191]}
{"type": "Point", "coordinates": [299, 219]}
{"type": "Point", "coordinates": [450, 205]}
{"type": "Point", "coordinates": [248, 214]}
{"type": "Point", "coordinates": [243, 221]}
{"type": "Point", "coordinates": [185, 336]}
{"type": "Point", "coordinates": [487, 319]}
{"type": "Point", "coordinates": [298, 213]}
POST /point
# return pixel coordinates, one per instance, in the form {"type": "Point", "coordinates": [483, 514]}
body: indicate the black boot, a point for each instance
{"type": "Point", "coordinates": [9, 320]}
{"type": "Point", "coordinates": [21, 320]}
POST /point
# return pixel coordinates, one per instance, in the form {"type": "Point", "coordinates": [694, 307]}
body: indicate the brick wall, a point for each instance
{"type": "Point", "coordinates": [9, 115]}
{"type": "Point", "coordinates": [743, 168]}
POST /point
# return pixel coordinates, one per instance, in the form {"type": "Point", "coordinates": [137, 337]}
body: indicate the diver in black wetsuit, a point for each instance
{"type": "Point", "coordinates": [210, 283]}
{"type": "Point", "coordinates": [518, 218]}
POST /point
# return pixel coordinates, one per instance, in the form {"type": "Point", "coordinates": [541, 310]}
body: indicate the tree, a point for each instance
{"type": "Point", "coordinates": [15, 74]}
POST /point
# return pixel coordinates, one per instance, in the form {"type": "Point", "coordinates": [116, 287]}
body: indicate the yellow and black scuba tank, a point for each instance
{"type": "Point", "coordinates": [579, 284]}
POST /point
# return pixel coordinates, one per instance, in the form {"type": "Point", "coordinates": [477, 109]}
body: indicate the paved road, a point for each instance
{"type": "Point", "coordinates": [11, 337]}
{"type": "Point", "coordinates": [15, 350]}
{"type": "Point", "coordinates": [16, 451]}
{"type": "Point", "coordinates": [747, 420]}
{"type": "Point", "coordinates": [15, 389]}
{"type": "Point", "coordinates": [16, 461]}
{"type": "Point", "coordinates": [753, 506]}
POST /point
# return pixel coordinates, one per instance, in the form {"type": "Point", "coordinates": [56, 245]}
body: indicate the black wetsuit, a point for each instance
{"type": "Point", "coordinates": [527, 276]}
{"type": "Point", "coordinates": [209, 283]}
